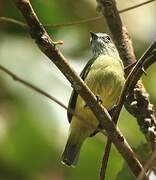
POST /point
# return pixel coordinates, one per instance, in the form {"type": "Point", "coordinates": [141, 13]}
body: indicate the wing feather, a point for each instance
{"type": "Point", "coordinates": [74, 94]}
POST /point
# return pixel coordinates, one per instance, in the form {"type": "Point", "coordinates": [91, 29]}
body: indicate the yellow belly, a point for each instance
{"type": "Point", "coordinates": [105, 81]}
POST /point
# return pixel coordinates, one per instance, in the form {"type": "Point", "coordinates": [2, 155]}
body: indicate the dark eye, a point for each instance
{"type": "Point", "coordinates": [106, 39]}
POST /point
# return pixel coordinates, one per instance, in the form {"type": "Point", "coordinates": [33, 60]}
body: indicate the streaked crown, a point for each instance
{"type": "Point", "coordinates": [101, 43]}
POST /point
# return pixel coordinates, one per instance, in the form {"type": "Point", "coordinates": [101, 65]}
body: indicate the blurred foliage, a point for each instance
{"type": "Point", "coordinates": [33, 130]}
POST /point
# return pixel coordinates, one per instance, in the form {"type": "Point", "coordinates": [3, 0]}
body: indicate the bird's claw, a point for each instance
{"type": "Point", "coordinates": [98, 99]}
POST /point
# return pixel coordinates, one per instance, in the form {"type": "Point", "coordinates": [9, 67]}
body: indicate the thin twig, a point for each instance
{"type": "Point", "coordinates": [40, 91]}
{"type": "Point", "coordinates": [83, 21]}
{"type": "Point", "coordinates": [149, 164]}
{"type": "Point", "coordinates": [124, 45]}
{"type": "Point", "coordinates": [148, 58]}
{"type": "Point", "coordinates": [17, 78]}
{"type": "Point", "coordinates": [135, 6]}
{"type": "Point", "coordinates": [105, 159]}
{"type": "Point", "coordinates": [14, 21]}
{"type": "Point", "coordinates": [145, 61]}
{"type": "Point", "coordinates": [128, 68]}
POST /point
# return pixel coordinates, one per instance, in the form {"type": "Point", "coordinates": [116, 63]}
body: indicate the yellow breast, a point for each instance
{"type": "Point", "coordinates": [105, 79]}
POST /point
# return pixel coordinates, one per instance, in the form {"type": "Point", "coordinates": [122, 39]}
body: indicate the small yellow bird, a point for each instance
{"type": "Point", "coordinates": [104, 75]}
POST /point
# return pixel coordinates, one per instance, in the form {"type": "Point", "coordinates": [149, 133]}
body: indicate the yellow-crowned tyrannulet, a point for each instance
{"type": "Point", "coordinates": [104, 75]}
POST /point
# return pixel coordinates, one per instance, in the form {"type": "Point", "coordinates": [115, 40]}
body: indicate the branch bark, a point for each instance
{"type": "Point", "coordinates": [40, 91]}
{"type": "Point", "coordinates": [143, 109]}
{"type": "Point", "coordinates": [149, 165]}
{"type": "Point", "coordinates": [31, 86]}
{"type": "Point", "coordinates": [48, 47]}
{"type": "Point", "coordinates": [145, 61]}
{"type": "Point", "coordinates": [137, 101]}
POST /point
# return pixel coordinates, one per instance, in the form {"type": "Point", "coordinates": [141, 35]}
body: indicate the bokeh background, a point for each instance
{"type": "Point", "coordinates": [33, 129]}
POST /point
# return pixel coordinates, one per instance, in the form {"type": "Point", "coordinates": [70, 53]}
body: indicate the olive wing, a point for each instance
{"type": "Point", "coordinates": [74, 94]}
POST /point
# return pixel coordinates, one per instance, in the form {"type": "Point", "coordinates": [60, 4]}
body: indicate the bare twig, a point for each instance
{"type": "Point", "coordinates": [149, 164]}
{"type": "Point", "coordinates": [125, 48]}
{"type": "Point", "coordinates": [12, 20]}
{"type": "Point", "coordinates": [83, 21]}
{"type": "Point", "coordinates": [128, 68]}
{"type": "Point", "coordinates": [74, 23]}
{"type": "Point", "coordinates": [143, 110]}
{"type": "Point", "coordinates": [48, 48]}
{"type": "Point", "coordinates": [17, 78]}
{"type": "Point", "coordinates": [40, 91]}
{"type": "Point", "coordinates": [135, 6]}
{"type": "Point", "coordinates": [148, 58]}
{"type": "Point", "coordinates": [118, 30]}
{"type": "Point", "coordinates": [105, 159]}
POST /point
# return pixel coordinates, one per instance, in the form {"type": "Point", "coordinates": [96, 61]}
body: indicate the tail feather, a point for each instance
{"type": "Point", "coordinates": [71, 153]}
{"type": "Point", "coordinates": [77, 135]}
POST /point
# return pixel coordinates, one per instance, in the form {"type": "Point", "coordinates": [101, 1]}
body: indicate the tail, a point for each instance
{"type": "Point", "coordinates": [79, 131]}
{"type": "Point", "coordinates": [71, 152]}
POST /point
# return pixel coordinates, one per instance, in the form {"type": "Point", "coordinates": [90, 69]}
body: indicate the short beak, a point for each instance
{"type": "Point", "coordinates": [93, 35]}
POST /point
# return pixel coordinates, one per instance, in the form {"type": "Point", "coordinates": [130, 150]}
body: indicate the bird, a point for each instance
{"type": "Point", "coordinates": [104, 75]}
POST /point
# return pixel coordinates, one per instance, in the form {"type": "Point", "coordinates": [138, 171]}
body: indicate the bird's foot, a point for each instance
{"type": "Point", "coordinates": [98, 99]}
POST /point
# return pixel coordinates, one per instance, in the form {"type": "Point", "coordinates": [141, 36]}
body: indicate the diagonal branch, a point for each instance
{"type": "Point", "coordinates": [126, 51]}
{"type": "Point", "coordinates": [47, 46]}
{"type": "Point", "coordinates": [145, 61]}
{"type": "Point", "coordinates": [40, 91]}
{"type": "Point", "coordinates": [149, 165]}
{"type": "Point", "coordinates": [135, 6]}
{"type": "Point", "coordinates": [139, 95]}
{"type": "Point", "coordinates": [12, 20]}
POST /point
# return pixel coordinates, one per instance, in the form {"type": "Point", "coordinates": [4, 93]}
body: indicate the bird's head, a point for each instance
{"type": "Point", "coordinates": [101, 43]}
